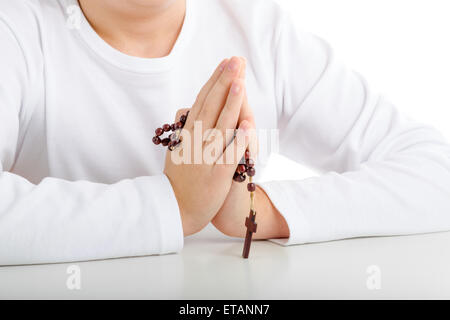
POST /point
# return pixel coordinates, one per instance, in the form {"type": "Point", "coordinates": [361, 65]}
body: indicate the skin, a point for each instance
{"type": "Point", "coordinates": [149, 29]}
{"type": "Point", "coordinates": [141, 28]}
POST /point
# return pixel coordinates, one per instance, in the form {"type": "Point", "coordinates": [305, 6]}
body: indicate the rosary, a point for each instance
{"type": "Point", "coordinates": [245, 168]}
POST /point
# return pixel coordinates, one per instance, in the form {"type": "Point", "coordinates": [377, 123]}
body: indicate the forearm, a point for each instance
{"type": "Point", "coordinates": [61, 221]}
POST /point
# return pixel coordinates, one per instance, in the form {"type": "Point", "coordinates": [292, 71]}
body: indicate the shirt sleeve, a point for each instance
{"type": "Point", "coordinates": [61, 221]}
{"type": "Point", "coordinates": [381, 173]}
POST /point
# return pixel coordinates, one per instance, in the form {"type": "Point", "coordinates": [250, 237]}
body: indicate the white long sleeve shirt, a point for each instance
{"type": "Point", "coordinates": [80, 178]}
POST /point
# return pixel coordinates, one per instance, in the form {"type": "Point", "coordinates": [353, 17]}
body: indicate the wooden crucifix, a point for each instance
{"type": "Point", "coordinates": [251, 228]}
{"type": "Point", "coordinates": [250, 220]}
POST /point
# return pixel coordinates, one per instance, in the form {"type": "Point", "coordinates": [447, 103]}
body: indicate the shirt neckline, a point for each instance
{"type": "Point", "coordinates": [127, 62]}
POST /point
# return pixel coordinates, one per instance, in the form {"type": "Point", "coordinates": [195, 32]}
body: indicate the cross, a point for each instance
{"type": "Point", "coordinates": [251, 228]}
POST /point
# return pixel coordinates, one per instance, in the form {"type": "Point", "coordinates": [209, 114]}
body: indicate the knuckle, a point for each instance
{"type": "Point", "coordinates": [205, 112]}
{"type": "Point", "coordinates": [224, 82]}
{"type": "Point", "coordinates": [231, 105]}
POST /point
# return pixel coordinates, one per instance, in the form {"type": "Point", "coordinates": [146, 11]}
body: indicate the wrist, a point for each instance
{"type": "Point", "coordinates": [185, 219]}
{"type": "Point", "coordinates": [190, 224]}
{"type": "Point", "coordinates": [273, 224]}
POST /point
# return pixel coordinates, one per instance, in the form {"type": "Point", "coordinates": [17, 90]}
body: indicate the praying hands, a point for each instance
{"type": "Point", "coordinates": [206, 191]}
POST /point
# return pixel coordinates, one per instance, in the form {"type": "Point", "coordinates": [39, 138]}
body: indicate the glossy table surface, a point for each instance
{"type": "Point", "coordinates": [210, 267]}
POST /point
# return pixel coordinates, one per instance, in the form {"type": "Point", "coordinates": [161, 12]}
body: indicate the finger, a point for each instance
{"type": "Point", "coordinates": [201, 97]}
{"type": "Point", "coordinates": [217, 97]}
{"type": "Point", "coordinates": [247, 114]}
{"type": "Point", "coordinates": [229, 134]}
{"type": "Point", "coordinates": [246, 111]}
{"type": "Point", "coordinates": [235, 151]}
{"type": "Point", "coordinates": [229, 115]}
{"type": "Point", "coordinates": [242, 74]}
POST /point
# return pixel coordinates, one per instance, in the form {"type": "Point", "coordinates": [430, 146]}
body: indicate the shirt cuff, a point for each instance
{"type": "Point", "coordinates": [289, 206]}
{"type": "Point", "coordinates": [164, 202]}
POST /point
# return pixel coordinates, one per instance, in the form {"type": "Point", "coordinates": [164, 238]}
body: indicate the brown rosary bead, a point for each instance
{"type": "Point", "coordinates": [166, 127]}
{"type": "Point", "coordinates": [179, 125]}
{"type": "Point", "coordinates": [251, 187]}
{"type": "Point", "coordinates": [239, 177]}
{"type": "Point", "coordinates": [241, 168]}
{"type": "Point", "coordinates": [250, 163]}
{"type": "Point", "coordinates": [165, 142]}
{"type": "Point", "coordinates": [247, 155]}
{"type": "Point", "coordinates": [183, 119]}
{"type": "Point", "coordinates": [251, 172]}
{"type": "Point", "coordinates": [159, 132]}
{"type": "Point", "coordinates": [156, 140]}
{"type": "Point", "coordinates": [173, 127]}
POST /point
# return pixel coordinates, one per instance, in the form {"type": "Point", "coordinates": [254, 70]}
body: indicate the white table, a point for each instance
{"type": "Point", "coordinates": [210, 267]}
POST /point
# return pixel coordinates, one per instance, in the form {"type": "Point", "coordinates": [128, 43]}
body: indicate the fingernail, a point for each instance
{"type": "Point", "coordinates": [234, 64]}
{"type": "Point", "coordinates": [223, 64]}
{"type": "Point", "coordinates": [235, 88]}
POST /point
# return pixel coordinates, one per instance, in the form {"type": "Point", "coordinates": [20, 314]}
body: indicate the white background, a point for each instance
{"type": "Point", "coordinates": [401, 46]}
